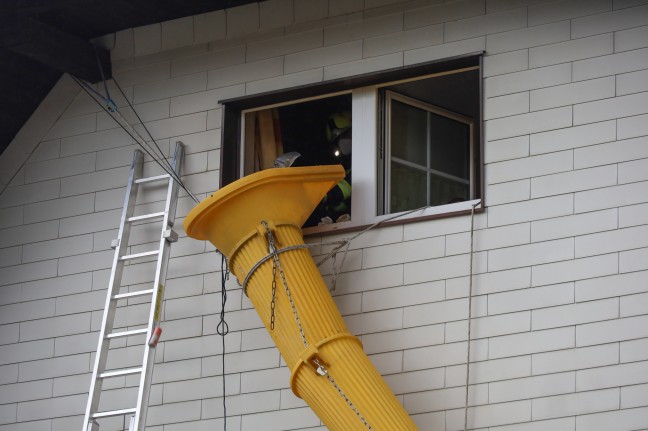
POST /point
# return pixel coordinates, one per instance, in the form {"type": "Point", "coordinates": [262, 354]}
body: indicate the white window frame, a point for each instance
{"type": "Point", "coordinates": [429, 108]}
{"type": "Point", "coordinates": [365, 185]}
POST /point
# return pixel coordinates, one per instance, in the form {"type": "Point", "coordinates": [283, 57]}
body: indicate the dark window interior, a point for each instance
{"type": "Point", "coordinates": [319, 131]}
{"type": "Point", "coordinates": [303, 128]}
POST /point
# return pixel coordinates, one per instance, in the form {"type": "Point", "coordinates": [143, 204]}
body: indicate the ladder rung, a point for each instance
{"type": "Point", "coordinates": [150, 179]}
{"type": "Point", "coordinates": [127, 333]}
{"type": "Point", "coordinates": [111, 413]}
{"type": "Point", "coordinates": [125, 372]}
{"type": "Point", "coordinates": [136, 255]}
{"type": "Point", "coordinates": [146, 216]}
{"type": "Point", "coordinates": [131, 294]}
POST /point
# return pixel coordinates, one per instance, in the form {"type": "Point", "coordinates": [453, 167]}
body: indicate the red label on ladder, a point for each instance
{"type": "Point", "coordinates": [155, 337]}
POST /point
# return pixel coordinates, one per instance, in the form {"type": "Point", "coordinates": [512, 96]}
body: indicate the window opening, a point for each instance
{"type": "Point", "coordinates": [307, 133]}
{"type": "Point", "coordinates": [417, 136]}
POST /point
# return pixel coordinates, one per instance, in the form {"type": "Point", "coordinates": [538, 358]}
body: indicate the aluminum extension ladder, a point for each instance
{"type": "Point", "coordinates": [156, 292]}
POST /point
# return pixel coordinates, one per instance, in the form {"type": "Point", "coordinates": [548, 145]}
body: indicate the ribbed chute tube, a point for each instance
{"type": "Point", "coordinates": [352, 395]}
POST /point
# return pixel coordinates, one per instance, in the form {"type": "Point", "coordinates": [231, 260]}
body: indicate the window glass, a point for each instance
{"type": "Point", "coordinates": [449, 146]}
{"type": "Point", "coordinates": [428, 159]}
{"type": "Point", "coordinates": [449, 160]}
{"type": "Point", "coordinates": [408, 187]}
{"type": "Point", "coordinates": [409, 129]}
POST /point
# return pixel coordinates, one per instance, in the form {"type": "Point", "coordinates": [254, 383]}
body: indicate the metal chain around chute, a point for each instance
{"type": "Point", "coordinates": [321, 370]}
{"type": "Point", "coordinates": [277, 266]}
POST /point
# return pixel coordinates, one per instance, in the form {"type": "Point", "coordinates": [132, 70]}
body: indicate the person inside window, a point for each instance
{"type": "Point", "coordinates": [336, 205]}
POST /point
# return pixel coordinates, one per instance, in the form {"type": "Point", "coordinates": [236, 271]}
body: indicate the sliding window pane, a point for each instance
{"type": "Point", "coordinates": [408, 133]}
{"type": "Point", "coordinates": [447, 191]}
{"type": "Point", "coordinates": [408, 188]}
{"type": "Point", "coordinates": [449, 146]}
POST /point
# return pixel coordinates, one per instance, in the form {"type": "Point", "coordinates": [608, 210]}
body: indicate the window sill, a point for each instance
{"type": "Point", "coordinates": [425, 214]}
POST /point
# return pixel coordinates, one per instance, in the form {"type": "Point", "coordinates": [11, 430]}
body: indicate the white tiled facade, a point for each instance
{"type": "Point", "coordinates": [560, 306]}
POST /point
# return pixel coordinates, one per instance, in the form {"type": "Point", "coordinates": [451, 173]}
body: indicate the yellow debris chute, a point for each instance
{"type": "Point", "coordinates": [256, 223]}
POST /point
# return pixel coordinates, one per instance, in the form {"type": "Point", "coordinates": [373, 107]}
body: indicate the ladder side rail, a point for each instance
{"type": "Point", "coordinates": [139, 423]}
{"type": "Point", "coordinates": [178, 160]}
{"type": "Point", "coordinates": [115, 281]}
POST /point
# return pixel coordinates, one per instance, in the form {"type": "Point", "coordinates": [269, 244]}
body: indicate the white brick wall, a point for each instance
{"type": "Point", "coordinates": [559, 335]}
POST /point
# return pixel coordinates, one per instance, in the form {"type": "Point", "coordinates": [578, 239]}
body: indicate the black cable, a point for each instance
{"type": "Point", "coordinates": [103, 79]}
{"type": "Point", "coordinates": [141, 122]}
{"type": "Point", "coordinates": [89, 89]}
{"type": "Point", "coordinates": [162, 157]}
{"type": "Point", "coordinates": [107, 111]}
{"type": "Point", "coordinates": [223, 329]}
{"type": "Point", "coordinates": [155, 159]}
{"type": "Point", "coordinates": [112, 107]}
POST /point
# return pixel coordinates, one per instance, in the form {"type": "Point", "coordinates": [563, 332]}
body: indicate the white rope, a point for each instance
{"type": "Point", "coordinates": [345, 243]}
{"type": "Point", "coordinates": [341, 244]}
{"type": "Point", "coordinates": [470, 288]}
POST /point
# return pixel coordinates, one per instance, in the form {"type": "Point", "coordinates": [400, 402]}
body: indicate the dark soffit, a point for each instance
{"type": "Point", "coordinates": [42, 39]}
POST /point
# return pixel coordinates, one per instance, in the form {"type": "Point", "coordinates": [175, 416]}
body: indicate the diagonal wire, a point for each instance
{"type": "Point", "coordinates": [111, 109]}
{"type": "Point", "coordinates": [134, 135]}
{"type": "Point", "coordinates": [160, 152]}
{"type": "Point", "coordinates": [141, 122]}
{"type": "Point", "coordinates": [109, 102]}
{"type": "Point", "coordinates": [112, 106]}
{"type": "Point", "coordinates": [345, 243]}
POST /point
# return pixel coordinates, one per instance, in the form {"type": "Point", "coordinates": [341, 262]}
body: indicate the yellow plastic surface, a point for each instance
{"type": "Point", "coordinates": [283, 195]}
{"type": "Point", "coordinates": [233, 227]}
